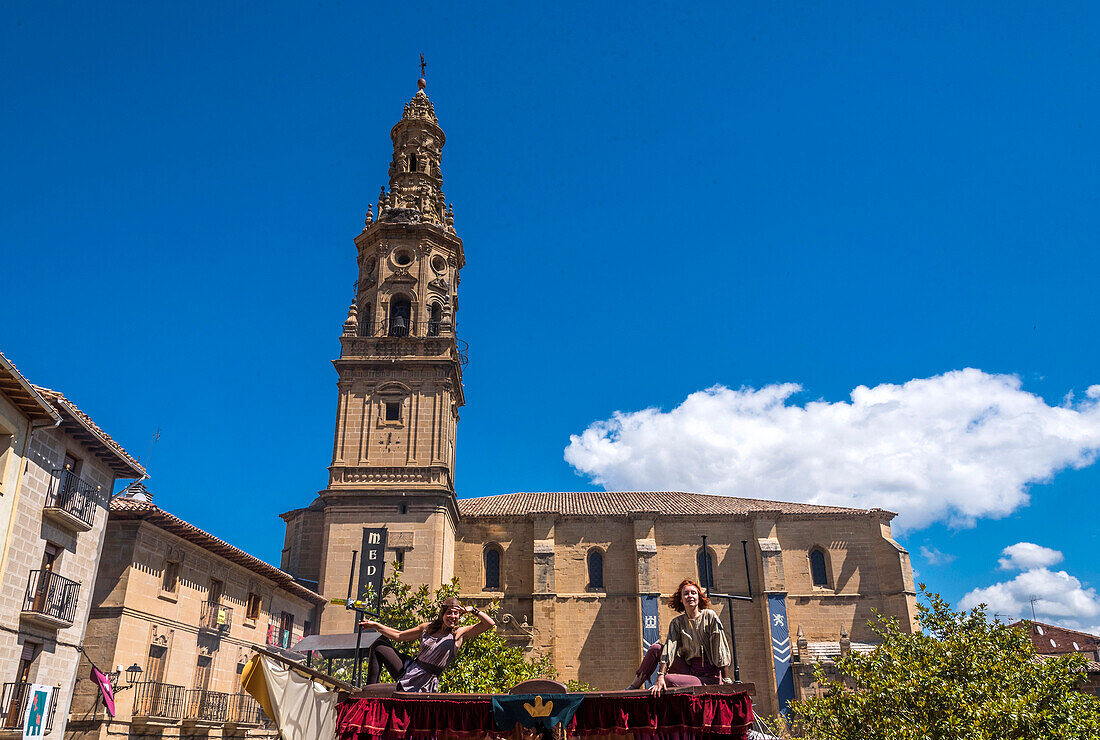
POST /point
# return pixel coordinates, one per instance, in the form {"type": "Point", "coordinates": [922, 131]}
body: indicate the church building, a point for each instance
{"type": "Point", "coordinates": [580, 576]}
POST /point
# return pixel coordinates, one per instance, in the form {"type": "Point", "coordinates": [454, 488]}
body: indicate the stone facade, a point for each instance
{"type": "Point", "coordinates": [399, 392]}
{"type": "Point", "coordinates": [186, 608]}
{"type": "Point", "coordinates": [56, 490]}
{"type": "Point", "coordinates": [647, 544]}
{"type": "Point", "coordinates": [400, 383]}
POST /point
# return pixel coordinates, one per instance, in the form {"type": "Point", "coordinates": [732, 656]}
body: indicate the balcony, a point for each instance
{"type": "Point", "coordinates": [244, 711]}
{"type": "Point", "coordinates": [204, 707]}
{"type": "Point", "coordinates": [279, 637]}
{"type": "Point", "coordinates": [71, 502]}
{"type": "Point", "coordinates": [215, 618]}
{"type": "Point", "coordinates": [50, 600]}
{"type": "Point", "coordinates": [158, 703]}
{"type": "Point", "coordinates": [13, 705]}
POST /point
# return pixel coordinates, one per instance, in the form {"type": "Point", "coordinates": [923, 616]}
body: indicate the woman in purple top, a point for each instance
{"type": "Point", "coordinates": [440, 640]}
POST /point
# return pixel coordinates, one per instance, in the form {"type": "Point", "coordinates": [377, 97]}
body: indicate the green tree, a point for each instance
{"type": "Point", "coordinates": [485, 664]}
{"type": "Point", "coordinates": [960, 677]}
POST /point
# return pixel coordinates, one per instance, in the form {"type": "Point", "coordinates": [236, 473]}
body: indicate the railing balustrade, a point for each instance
{"type": "Point", "coordinates": [244, 710]}
{"type": "Point", "coordinates": [74, 495]}
{"type": "Point", "coordinates": [206, 706]}
{"type": "Point", "coordinates": [159, 700]}
{"type": "Point", "coordinates": [51, 595]}
{"type": "Point", "coordinates": [279, 637]}
{"type": "Point", "coordinates": [13, 705]}
{"type": "Point", "coordinates": [215, 617]}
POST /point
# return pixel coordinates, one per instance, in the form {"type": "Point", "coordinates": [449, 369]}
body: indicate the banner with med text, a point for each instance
{"type": "Point", "coordinates": [373, 564]}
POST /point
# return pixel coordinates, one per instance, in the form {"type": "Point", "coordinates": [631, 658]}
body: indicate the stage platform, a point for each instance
{"type": "Point", "coordinates": [380, 713]}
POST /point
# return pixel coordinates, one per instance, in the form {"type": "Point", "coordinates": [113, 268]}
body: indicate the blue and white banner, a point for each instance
{"type": "Point", "coordinates": [651, 631]}
{"type": "Point", "coordinates": [781, 650]}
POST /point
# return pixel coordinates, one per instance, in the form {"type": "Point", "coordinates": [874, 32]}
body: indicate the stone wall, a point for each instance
{"type": "Point", "coordinates": [136, 614]}
{"type": "Point", "coordinates": [594, 634]}
{"type": "Point", "coordinates": [30, 532]}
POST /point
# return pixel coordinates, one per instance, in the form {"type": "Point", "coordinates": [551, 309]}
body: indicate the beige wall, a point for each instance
{"type": "Point", "coordinates": [424, 531]}
{"type": "Point", "coordinates": [596, 635]}
{"type": "Point", "coordinates": [133, 612]}
{"type": "Point", "coordinates": [30, 531]}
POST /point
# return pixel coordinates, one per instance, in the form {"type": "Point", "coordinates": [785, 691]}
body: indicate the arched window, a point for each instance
{"type": "Point", "coordinates": [704, 562]}
{"type": "Point", "coordinates": [492, 568]}
{"type": "Point", "coordinates": [412, 163]}
{"type": "Point", "coordinates": [595, 569]}
{"type": "Point", "coordinates": [435, 320]}
{"type": "Point", "coordinates": [400, 317]}
{"type": "Point", "coordinates": [818, 572]}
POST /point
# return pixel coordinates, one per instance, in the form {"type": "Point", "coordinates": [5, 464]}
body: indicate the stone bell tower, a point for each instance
{"type": "Point", "coordinates": [400, 381]}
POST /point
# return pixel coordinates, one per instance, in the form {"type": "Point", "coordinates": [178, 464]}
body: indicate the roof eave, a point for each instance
{"type": "Point", "coordinates": [33, 403]}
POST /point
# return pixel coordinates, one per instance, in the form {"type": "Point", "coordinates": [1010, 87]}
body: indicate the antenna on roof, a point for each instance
{"type": "Point", "coordinates": [152, 440]}
{"type": "Point", "coordinates": [1033, 599]}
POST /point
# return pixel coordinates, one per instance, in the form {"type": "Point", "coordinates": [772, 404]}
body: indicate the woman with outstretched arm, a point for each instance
{"type": "Point", "coordinates": [440, 640]}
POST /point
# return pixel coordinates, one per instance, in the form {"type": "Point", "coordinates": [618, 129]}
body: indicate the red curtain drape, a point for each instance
{"type": "Point", "coordinates": [670, 716]}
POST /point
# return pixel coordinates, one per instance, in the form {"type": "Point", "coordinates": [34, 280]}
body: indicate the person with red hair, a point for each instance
{"type": "Point", "coordinates": [696, 651]}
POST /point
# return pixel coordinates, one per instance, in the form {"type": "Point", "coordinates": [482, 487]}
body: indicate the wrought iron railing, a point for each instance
{"type": "Point", "coordinates": [73, 494]}
{"type": "Point", "coordinates": [13, 706]}
{"type": "Point", "coordinates": [435, 328]}
{"type": "Point", "coordinates": [206, 706]}
{"type": "Point", "coordinates": [399, 326]}
{"type": "Point", "coordinates": [160, 700]}
{"type": "Point", "coordinates": [51, 595]}
{"type": "Point", "coordinates": [278, 636]}
{"type": "Point", "coordinates": [243, 710]}
{"type": "Point", "coordinates": [215, 617]}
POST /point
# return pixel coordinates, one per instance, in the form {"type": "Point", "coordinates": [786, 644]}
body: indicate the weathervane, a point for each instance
{"type": "Point", "coordinates": [423, 64]}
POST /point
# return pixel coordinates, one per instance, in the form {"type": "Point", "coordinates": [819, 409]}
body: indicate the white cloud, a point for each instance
{"type": "Point", "coordinates": [1028, 555]}
{"type": "Point", "coordinates": [1059, 599]}
{"type": "Point", "coordinates": [934, 557]}
{"type": "Point", "coordinates": [954, 447]}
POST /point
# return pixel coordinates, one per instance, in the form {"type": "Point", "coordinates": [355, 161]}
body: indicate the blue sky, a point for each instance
{"type": "Point", "coordinates": [653, 203]}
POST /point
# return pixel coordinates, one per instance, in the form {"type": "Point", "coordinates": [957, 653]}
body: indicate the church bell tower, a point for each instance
{"type": "Point", "coordinates": [400, 376]}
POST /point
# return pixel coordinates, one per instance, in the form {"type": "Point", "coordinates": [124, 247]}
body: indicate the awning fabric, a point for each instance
{"type": "Point", "coordinates": [335, 646]}
{"type": "Point", "coordinates": [301, 708]}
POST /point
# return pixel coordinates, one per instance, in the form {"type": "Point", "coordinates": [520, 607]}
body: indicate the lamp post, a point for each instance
{"type": "Point", "coordinates": [133, 673]}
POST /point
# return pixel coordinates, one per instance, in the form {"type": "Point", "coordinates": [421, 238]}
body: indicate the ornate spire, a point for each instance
{"type": "Point", "coordinates": [351, 326]}
{"type": "Point", "coordinates": [420, 108]}
{"type": "Point", "coordinates": [416, 171]}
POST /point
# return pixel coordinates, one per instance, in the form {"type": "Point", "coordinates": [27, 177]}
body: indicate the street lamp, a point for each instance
{"type": "Point", "coordinates": [133, 673]}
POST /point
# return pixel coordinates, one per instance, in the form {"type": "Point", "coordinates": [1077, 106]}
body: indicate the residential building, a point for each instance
{"type": "Point", "coordinates": [1052, 640]}
{"type": "Point", "coordinates": [58, 472]}
{"type": "Point", "coordinates": [186, 608]}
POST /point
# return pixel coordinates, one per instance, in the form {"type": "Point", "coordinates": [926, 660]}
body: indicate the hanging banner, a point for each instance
{"type": "Point", "coordinates": [372, 565]}
{"type": "Point", "coordinates": [103, 681]}
{"type": "Point", "coordinates": [781, 650]}
{"type": "Point", "coordinates": [34, 716]}
{"type": "Point", "coordinates": [651, 631]}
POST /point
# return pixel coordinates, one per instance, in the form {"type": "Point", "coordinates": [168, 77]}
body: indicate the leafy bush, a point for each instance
{"type": "Point", "coordinates": [960, 677]}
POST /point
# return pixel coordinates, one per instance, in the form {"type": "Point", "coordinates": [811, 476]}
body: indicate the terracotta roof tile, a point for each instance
{"type": "Point", "coordinates": [22, 393]}
{"type": "Point", "coordinates": [1050, 639]}
{"type": "Point", "coordinates": [123, 464]}
{"type": "Point", "coordinates": [124, 508]}
{"type": "Point", "coordinates": [619, 503]}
